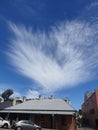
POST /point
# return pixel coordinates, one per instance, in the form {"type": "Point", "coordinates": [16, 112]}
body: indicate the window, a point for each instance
{"type": "Point", "coordinates": [1, 118]}
{"type": "Point", "coordinates": [92, 111]}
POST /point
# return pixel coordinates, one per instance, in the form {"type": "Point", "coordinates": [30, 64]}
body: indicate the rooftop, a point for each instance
{"type": "Point", "coordinates": [46, 106]}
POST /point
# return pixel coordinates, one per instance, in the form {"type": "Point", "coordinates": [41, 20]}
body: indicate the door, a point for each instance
{"type": "Point", "coordinates": [96, 122]}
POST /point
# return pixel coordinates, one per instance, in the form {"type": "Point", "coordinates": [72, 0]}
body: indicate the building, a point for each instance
{"type": "Point", "coordinates": [11, 102]}
{"type": "Point", "coordinates": [1, 99]}
{"type": "Point", "coordinates": [90, 108]}
{"type": "Point", "coordinates": [48, 113]}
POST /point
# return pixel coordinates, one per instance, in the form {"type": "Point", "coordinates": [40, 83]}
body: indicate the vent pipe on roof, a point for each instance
{"type": "Point", "coordinates": [67, 100]}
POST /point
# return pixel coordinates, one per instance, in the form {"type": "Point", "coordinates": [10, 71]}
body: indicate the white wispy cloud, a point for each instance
{"type": "Point", "coordinates": [16, 94]}
{"type": "Point", "coordinates": [32, 94]}
{"type": "Point", "coordinates": [93, 4]}
{"type": "Point", "coordinates": [64, 57]}
{"type": "Point", "coordinates": [4, 87]}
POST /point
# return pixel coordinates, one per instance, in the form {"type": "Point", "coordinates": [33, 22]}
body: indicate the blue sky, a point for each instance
{"type": "Point", "coordinates": [49, 47]}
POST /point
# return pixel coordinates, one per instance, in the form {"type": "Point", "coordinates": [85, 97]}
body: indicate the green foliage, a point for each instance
{"type": "Point", "coordinates": [6, 94]}
{"type": "Point", "coordinates": [80, 112]}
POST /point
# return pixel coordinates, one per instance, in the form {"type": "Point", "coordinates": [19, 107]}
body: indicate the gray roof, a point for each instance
{"type": "Point", "coordinates": [5, 104]}
{"type": "Point", "coordinates": [42, 106]}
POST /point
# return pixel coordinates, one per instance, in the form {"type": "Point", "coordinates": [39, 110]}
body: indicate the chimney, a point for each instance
{"type": "Point", "coordinates": [40, 97]}
{"type": "Point", "coordinates": [24, 98]}
{"type": "Point", "coordinates": [52, 97]}
{"type": "Point", "coordinates": [87, 95]}
{"type": "Point", "coordinates": [14, 102]}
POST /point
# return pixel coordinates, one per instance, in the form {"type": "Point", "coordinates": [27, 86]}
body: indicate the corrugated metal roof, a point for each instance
{"type": "Point", "coordinates": [5, 104]}
{"type": "Point", "coordinates": [44, 106]}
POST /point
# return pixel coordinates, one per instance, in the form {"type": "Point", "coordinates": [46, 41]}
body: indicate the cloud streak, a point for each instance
{"type": "Point", "coordinates": [62, 58]}
{"type": "Point", "coordinates": [32, 94]}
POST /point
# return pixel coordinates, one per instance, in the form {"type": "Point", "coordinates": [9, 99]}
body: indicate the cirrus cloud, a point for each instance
{"type": "Point", "coordinates": [32, 94]}
{"type": "Point", "coordinates": [64, 57]}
